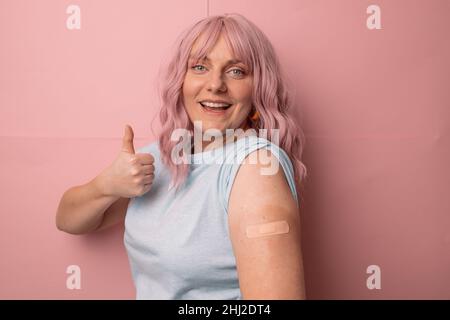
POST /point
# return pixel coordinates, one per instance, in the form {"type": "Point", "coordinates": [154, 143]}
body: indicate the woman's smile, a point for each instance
{"type": "Point", "coordinates": [216, 110]}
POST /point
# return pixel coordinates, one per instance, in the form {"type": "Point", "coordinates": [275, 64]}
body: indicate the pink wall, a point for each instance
{"type": "Point", "coordinates": [375, 107]}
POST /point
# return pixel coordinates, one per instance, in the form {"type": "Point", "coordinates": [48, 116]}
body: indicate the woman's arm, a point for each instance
{"type": "Point", "coordinates": [82, 208]}
{"type": "Point", "coordinates": [269, 266]}
{"type": "Point", "coordinates": [103, 201]}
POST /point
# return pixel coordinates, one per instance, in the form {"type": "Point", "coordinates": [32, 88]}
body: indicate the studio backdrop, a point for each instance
{"type": "Point", "coordinates": [370, 81]}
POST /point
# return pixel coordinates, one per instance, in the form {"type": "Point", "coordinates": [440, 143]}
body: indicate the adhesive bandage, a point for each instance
{"type": "Point", "coordinates": [267, 229]}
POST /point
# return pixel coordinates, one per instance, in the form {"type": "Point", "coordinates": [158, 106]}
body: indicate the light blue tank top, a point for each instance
{"type": "Point", "coordinates": [178, 243]}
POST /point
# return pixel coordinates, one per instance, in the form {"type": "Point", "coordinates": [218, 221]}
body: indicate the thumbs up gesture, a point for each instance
{"type": "Point", "coordinates": [131, 174]}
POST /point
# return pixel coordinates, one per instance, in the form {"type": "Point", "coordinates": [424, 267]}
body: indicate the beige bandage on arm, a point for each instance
{"type": "Point", "coordinates": [267, 229]}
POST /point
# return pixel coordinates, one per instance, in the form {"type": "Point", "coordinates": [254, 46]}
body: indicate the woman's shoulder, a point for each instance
{"type": "Point", "coordinates": [151, 147]}
{"type": "Point", "coordinates": [252, 144]}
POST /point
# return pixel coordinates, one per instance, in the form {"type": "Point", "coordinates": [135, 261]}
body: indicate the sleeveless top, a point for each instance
{"type": "Point", "coordinates": [178, 243]}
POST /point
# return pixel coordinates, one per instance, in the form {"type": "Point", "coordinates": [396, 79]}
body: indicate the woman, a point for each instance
{"type": "Point", "coordinates": [205, 221]}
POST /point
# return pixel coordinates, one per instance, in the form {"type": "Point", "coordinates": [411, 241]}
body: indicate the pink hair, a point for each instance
{"type": "Point", "coordinates": [270, 95]}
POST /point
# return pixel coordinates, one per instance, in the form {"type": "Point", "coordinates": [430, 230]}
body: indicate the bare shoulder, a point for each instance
{"type": "Point", "coordinates": [260, 180]}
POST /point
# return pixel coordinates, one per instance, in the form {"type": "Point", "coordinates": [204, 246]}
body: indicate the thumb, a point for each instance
{"type": "Point", "coordinates": [127, 141]}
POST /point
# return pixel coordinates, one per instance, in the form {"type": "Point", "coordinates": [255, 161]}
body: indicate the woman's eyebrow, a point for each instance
{"type": "Point", "coordinates": [231, 61]}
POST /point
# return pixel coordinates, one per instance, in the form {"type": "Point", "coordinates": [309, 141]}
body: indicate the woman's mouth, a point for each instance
{"type": "Point", "coordinates": [216, 108]}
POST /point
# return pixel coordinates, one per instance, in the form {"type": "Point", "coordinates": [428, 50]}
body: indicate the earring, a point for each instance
{"type": "Point", "coordinates": [255, 116]}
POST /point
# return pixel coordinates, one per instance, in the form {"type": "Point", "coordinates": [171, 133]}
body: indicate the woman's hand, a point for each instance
{"type": "Point", "coordinates": [130, 175]}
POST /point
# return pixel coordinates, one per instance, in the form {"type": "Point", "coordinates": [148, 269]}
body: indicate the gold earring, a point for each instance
{"type": "Point", "coordinates": [255, 116]}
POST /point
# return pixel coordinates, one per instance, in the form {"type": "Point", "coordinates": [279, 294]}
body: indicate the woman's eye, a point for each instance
{"type": "Point", "coordinates": [240, 72]}
{"type": "Point", "coordinates": [198, 65]}
{"type": "Point", "coordinates": [235, 72]}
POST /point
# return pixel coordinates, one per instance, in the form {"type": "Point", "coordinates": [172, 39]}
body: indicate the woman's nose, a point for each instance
{"type": "Point", "coordinates": [216, 83]}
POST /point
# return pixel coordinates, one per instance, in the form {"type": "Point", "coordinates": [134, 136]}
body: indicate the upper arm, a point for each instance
{"type": "Point", "coordinates": [271, 266]}
{"type": "Point", "coordinates": [114, 214]}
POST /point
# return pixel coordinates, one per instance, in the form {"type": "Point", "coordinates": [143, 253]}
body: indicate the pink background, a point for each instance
{"type": "Point", "coordinates": [374, 105]}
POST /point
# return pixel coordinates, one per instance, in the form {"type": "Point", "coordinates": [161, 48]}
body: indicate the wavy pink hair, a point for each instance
{"type": "Point", "coordinates": [270, 95]}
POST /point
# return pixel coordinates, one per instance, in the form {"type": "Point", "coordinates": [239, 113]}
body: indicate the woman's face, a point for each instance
{"type": "Point", "coordinates": [218, 78]}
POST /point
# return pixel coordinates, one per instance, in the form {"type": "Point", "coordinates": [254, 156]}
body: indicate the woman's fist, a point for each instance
{"type": "Point", "coordinates": [130, 175]}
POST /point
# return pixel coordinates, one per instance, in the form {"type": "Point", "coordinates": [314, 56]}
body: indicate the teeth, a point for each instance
{"type": "Point", "coordinates": [215, 105]}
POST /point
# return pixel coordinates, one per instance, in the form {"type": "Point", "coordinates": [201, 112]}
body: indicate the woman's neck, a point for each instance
{"type": "Point", "coordinates": [216, 143]}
